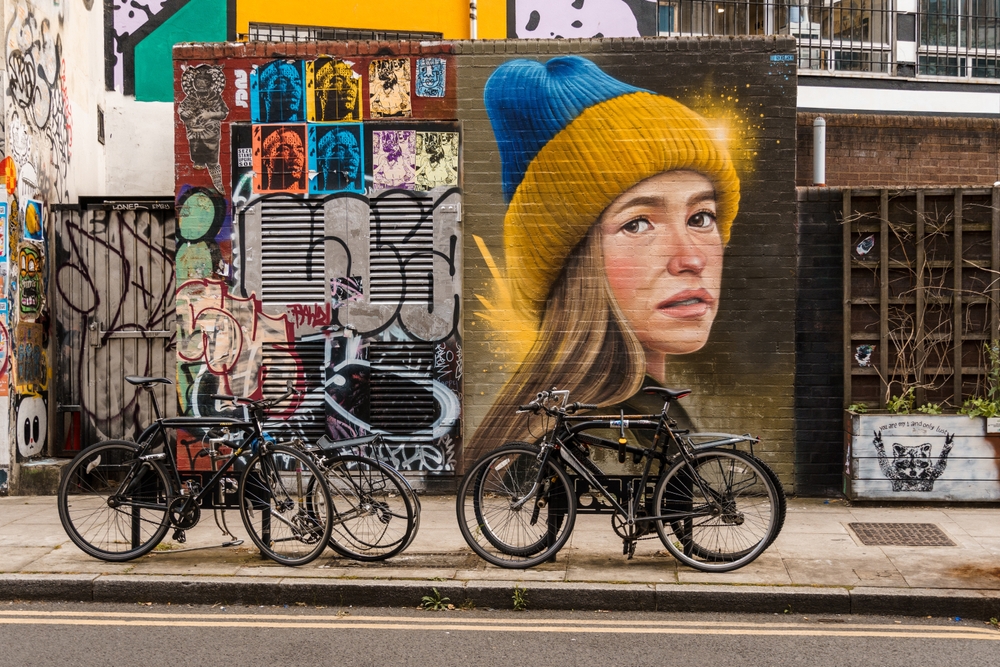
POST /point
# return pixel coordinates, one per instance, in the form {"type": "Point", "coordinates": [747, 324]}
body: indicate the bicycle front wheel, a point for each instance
{"type": "Point", "coordinates": [285, 505]}
{"type": "Point", "coordinates": [513, 513]}
{"type": "Point", "coordinates": [373, 516]}
{"type": "Point", "coordinates": [113, 505]}
{"type": "Point", "coordinates": [721, 510]}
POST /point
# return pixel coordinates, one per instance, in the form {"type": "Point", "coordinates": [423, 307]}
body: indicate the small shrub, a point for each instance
{"type": "Point", "coordinates": [435, 602]}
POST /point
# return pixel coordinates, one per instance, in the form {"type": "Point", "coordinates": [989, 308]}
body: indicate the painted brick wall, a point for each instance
{"type": "Point", "coordinates": [819, 356]}
{"type": "Point", "coordinates": [903, 151]}
{"type": "Point", "coordinates": [743, 378]}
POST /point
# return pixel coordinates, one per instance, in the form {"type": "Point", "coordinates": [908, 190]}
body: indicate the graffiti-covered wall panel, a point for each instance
{"type": "Point", "coordinates": [36, 154]}
{"type": "Point", "coordinates": [630, 222]}
{"type": "Point", "coordinates": [319, 205]}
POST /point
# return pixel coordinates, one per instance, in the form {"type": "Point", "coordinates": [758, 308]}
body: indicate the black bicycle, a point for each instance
{"type": "Point", "coordinates": [714, 507]}
{"type": "Point", "coordinates": [376, 512]}
{"type": "Point", "coordinates": [118, 499]}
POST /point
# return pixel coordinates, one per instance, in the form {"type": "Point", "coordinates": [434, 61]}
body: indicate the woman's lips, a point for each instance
{"type": "Point", "coordinates": [689, 304]}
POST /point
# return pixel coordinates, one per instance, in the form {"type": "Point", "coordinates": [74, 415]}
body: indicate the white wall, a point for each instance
{"type": "Point", "coordinates": [139, 148]}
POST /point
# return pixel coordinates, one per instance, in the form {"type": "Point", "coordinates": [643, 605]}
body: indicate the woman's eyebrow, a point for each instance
{"type": "Point", "coordinates": [652, 200]}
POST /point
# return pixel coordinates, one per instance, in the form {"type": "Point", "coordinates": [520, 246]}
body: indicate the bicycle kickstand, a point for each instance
{"type": "Point", "coordinates": [628, 548]}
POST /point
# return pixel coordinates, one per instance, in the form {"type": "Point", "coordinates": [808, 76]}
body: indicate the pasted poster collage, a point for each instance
{"type": "Point", "coordinates": [332, 125]}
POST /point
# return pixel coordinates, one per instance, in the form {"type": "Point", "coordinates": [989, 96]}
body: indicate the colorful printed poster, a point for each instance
{"type": "Point", "coordinates": [336, 158]}
{"type": "Point", "coordinates": [30, 283]}
{"type": "Point", "coordinates": [437, 159]}
{"type": "Point", "coordinates": [389, 87]}
{"type": "Point", "coordinates": [279, 158]}
{"type": "Point", "coordinates": [33, 223]}
{"type": "Point", "coordinates": [4, 355]}
{"type": "Point", "coordinates": [3, 232]}
{"type": "Point", "coordinates": [430, 77]}
{"type": "Point", "coordinates": [277, 92]}
{"type": "Point", "coordinates": [394, 159]}
{"type": "Point", "coordinates": [333, 91]}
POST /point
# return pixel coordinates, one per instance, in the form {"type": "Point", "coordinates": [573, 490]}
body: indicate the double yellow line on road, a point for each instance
{"type": "Point", "coordinates": [455, 622]}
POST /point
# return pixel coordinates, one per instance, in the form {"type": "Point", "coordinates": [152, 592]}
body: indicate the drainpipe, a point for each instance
{"type": "Point", "coordinates": [819, 151]}
{"type": "Point", "coordinates": [473, 27]}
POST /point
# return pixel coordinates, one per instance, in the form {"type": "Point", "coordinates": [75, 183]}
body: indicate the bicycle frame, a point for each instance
{"type": "Point", "coordinates": [147, 440]}
{"type": "Point", "coordinates": [569, 428]}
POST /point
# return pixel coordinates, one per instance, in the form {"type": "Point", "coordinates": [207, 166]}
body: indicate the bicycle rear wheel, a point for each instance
{"type": "Point", "coordinates": [286, 512]}
{"type": "Point", "coordinates": [106, 520]}
{"type": "Point", "coordinates": [373, 516]}
{"type": "Point", "coordinates": [512, 513]}
{"type": "Point", "coordinates": [724, 507]}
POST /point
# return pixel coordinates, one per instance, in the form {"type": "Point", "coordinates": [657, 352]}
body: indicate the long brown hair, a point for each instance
{"type": "Point", "coordinates": [583, 345]}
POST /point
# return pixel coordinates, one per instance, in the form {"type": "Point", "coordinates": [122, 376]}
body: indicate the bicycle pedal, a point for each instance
{"type": "Point", "coordinates": [180, 536]}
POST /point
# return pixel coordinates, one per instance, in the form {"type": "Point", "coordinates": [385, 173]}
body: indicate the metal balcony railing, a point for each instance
{"type": "Point", "coordinates": [955, 38]}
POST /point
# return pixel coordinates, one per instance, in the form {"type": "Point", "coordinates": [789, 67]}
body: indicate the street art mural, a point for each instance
{"type": "Point", "coordinates": [556, 19]}
{"type": "Point", "coordinates": [139, 37]}
{"type": "Point", "coordinates": [628, 250]}
{"type": "Point", "coordinates": [338, 256]}
{"type": "Point", "coordinates": [921, 457]}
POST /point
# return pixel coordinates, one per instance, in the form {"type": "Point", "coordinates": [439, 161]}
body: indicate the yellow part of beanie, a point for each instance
{"type": "Point", "coordinates": [606, 150]}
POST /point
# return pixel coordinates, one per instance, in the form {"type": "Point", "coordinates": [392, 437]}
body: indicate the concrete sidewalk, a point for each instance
{"type": "Point", "coordinates": [817, 565]}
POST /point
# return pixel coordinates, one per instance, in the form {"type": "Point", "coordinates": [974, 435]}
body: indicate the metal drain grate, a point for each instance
{"type": "Point", "coordinates": [900, 535]}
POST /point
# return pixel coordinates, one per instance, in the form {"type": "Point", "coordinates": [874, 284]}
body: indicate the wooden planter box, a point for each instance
{"type": "Point", "coordinates": [921, 457]}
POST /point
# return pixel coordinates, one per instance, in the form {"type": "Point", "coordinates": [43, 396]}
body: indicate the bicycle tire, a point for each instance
{"type": "Point", "coordinates": [287, 517]}
{"type": "Point", "coordinates": [103, 526]}
{"type": "Point", "coordinates": [731, 530]}
{"type": "Point", "coordinates": [782, 507]}
{"type": "Point", "coordinates": [518, 535]}
{"type": "Point", "coordinates": [373, 516]}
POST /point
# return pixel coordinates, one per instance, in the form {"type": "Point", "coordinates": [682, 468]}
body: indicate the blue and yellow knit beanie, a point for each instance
{"type": "Point", "coordinates": [572, 139]}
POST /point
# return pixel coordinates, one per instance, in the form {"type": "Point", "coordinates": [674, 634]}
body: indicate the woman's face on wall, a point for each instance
{"type": "Point", "coordinates": [663, 259]}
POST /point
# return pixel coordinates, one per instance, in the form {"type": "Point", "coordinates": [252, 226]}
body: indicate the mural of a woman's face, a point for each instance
{"type": "Point", "coordinates": [663, 260]}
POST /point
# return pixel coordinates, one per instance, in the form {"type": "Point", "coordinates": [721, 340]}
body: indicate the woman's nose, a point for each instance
{"type": "Point", "coordinates": [684, 255]}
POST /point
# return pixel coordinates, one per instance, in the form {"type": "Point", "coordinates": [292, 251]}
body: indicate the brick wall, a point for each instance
{"type": "Point", "coordinates": [819, 355]}
{"type": "Point", "coordinates": [865, 150]}
{"type": "Point", "coordinates": [743, 378]}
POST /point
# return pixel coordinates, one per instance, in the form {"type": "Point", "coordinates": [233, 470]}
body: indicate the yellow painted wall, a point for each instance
{"type": "Point", "coordinates": [450, 17]}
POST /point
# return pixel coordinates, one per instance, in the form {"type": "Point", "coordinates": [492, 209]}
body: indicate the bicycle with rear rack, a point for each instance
{"type": "Point", "coordinates": [118, 499]}
{"type": "Point", "coordinates": [713, 506]}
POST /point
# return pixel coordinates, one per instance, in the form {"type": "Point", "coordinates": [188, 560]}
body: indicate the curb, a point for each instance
{"type": "Point", "coordinates": [497, 594]}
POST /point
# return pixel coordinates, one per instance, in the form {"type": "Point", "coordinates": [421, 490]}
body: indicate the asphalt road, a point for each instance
{"type": "Point", "coordinates": [87, 634]}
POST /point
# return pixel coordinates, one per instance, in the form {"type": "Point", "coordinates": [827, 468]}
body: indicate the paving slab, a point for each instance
{"type": "Point", "coordinates": [815, 566]}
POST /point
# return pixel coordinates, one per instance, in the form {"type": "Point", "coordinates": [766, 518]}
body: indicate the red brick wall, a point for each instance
{"type": "Point", "coordinates": [901, 151]}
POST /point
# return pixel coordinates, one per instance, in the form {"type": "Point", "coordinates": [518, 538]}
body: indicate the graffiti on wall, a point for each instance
{"type": "Point", "coordinates": [542, 19]}
{"type": "Point", "coordinates": [38, 112]}
{"type": "Point", "coordinates": [374, 329]}
{"type": "Point", "coordinates": [221, 340]}
{"type": "Point", "coordinates": [114, 272]}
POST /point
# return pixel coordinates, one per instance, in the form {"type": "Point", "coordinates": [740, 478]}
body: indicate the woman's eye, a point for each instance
{"type": "Point", "coordinates": [702, 220]}
{"type": "Point", "coordinates": [636, 226]}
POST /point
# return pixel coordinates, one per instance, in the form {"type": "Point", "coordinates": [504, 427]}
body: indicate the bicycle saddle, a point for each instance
{"type": "Point", "coordinates": [669, 394]}
{"type": "Point", "coordinates": [137, 379]}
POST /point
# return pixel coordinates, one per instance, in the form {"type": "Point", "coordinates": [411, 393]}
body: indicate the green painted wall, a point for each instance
{"type": "Point", "coordinates": [197, 21]}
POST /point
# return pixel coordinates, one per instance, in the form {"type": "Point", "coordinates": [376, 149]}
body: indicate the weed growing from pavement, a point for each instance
{"type": "Point", "coordinates": [435, 602]}
{"type": "Point", "coordinates": [520, 598]}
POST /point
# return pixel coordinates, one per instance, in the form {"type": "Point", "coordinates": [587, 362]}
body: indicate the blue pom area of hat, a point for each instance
{"type": "Point", "coordinates": [530, 102]}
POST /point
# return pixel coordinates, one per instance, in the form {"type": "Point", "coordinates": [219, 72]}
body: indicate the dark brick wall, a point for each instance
{"type": "Point", "coordinates": [743, 378]}
{"type": "Point", "coordinates": [819, 388]}
{"type": "Point", "coordinates": [864, 150]}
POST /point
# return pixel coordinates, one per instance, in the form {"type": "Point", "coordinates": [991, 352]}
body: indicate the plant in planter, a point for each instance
{"type": "Point", "coordinates": [919, 302]}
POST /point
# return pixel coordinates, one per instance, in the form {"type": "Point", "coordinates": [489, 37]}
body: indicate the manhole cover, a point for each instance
{"type": "Point", "coordinates": [900, 535]}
